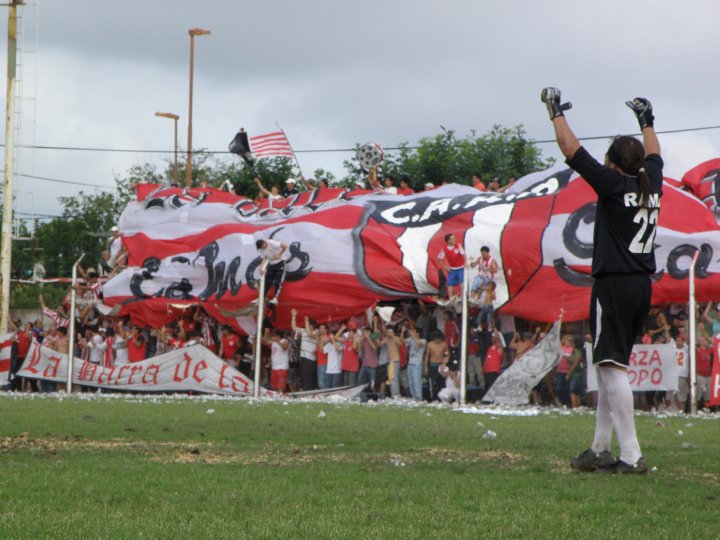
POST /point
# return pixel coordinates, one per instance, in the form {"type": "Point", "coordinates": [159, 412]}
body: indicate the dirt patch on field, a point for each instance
{"type": "Point", "coordinates": [54, 445]}
{"type": "Point", "coordinates": [298, 455]}
{"type": "Point", "coordinates": [272, 454]}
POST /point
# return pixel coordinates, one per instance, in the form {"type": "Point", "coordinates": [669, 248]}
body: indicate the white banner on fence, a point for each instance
{"type": "Point", "coordinates": [514, 385]}
{"type": "Point", "coordinates": [190, 369]}
{"type": "Point", "coordinates": [652, 367]}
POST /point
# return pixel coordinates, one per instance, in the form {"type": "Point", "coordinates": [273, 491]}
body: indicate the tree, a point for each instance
{"type": "Point", "coordinates": [502, 153]}
{"type": "Point", "coordinates": [83, 228]}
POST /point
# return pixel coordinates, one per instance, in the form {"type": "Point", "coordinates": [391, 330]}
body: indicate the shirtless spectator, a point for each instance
{"type": "Point", "coordinates": [521, 343]}
{"type": "Point", "coordinates": [436, 352]}
{"type": "Point", "coordinates": [393, 344]}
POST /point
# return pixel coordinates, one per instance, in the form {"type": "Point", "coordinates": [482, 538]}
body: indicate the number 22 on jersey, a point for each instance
{"type": "Point", "coordinates": [643, 240]}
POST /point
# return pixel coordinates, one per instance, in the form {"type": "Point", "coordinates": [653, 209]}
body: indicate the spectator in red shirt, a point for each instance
{"type": "Point", "coordinates": [350, 362]}
{"type": "Point", "coordinates": [136, 345]}
{"type": "Point", "coordinates": [452, 260]}
{"type": "Point", "coordinates": [478, 183]}
{"type": "Point", "coordinates": [229, 345]}
{"type": "Point", "coordinates": [405, 188]}
{"type": "Point", "coordinates": [703, 368]}
{"type": "Point", "coordinates": [493, 360]}
{"type": "Point", "coordinates": [452, 334]}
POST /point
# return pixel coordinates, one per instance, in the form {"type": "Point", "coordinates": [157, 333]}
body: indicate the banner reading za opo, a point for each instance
{"type": "Point", "coordinates": [652, 367]}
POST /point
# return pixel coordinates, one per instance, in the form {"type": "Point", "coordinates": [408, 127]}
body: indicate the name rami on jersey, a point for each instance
{"type": "Point", "coordinates": [631, 199]}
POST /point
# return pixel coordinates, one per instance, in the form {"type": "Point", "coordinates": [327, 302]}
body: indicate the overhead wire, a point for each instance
{"type": "Point", "coordinates": [321, 150]}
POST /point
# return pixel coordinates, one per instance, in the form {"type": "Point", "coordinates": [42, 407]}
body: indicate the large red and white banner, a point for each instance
{"type": "Point", "coordinates": [190, 369]}
{"type": "Point", "coordinates": [347, 250]}
{"type": "Point", "coordinates": [652, 367]}
{"type": "Point", "coordinates": [5, 352]}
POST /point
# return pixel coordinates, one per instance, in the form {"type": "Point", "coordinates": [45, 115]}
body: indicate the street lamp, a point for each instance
{"type": "Point", "coordinates": [174, 117]}
{"type": "Point", "coordinates": [188, 166]}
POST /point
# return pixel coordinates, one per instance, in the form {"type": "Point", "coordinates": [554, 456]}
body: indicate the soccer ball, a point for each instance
{"type": "Point", "coordinates": [370, 155]}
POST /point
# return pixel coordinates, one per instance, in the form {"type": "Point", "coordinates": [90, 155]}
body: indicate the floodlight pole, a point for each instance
{"type": "Point", "coordinates": [259, 327]}
{"type": "Point", "coordinates": [174, 118]}
{"type": "Point", "coordinates": [6, 240]}
{"type": "Point", "coordinates": [692, 347]}
{"type": "Point", "coordinates": [188, 166]}
{"type": "Point", "coordinates": [71, 325]}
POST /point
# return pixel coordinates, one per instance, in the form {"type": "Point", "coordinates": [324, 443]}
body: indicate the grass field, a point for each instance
{"type": "Point", "coordinates": [130, 468]}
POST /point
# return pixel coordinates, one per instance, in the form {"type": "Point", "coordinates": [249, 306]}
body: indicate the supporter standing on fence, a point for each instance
{"type": "Point", "coordinates": [273, 252]}
{"type": "Point", "coordinates": [451, 259]}
{"type": "Point", "coordinates": [629, 188]}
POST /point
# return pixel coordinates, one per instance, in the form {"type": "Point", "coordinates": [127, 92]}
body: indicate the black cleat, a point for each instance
{"type": "Point", "coordinates": [625, 468]}
{"type": "Point", "coordinates": [590, 461]}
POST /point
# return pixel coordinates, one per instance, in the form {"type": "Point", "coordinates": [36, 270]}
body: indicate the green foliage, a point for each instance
{"type": "Point", "coordinates": [25, 295]}
{"type": "Point", "coordinates": [271, 171]}
{"type": "Point", "coordinates": [327, 175]}
{"type": "Point", "coordinates": [83, 228]}
{"type": "Point", "coordinates": [502, 153]}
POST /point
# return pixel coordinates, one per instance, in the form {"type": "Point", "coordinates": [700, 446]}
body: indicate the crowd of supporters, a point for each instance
{"type": "Point", "coordinates": [409, 349]}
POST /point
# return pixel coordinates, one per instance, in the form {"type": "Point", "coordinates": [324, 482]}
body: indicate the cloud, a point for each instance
{"type": "Point", "coordinates": [339, 73]}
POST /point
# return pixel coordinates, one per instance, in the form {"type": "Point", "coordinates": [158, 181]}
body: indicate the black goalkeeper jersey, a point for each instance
{"type": "Point", "coordinates": [624, 232]}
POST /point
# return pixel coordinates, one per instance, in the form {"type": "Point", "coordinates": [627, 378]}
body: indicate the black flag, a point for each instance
{"type": "Point", "coordinates": [240, 145]}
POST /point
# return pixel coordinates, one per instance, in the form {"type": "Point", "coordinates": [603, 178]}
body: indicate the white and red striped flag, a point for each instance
{"type": "Point", "coordinates": [5, 349]}
{"type": "Point", "coordinates": [271, 144]}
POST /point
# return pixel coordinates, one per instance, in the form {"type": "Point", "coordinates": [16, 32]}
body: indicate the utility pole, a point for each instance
{"type": "Point", "coordinates": [6, 241]}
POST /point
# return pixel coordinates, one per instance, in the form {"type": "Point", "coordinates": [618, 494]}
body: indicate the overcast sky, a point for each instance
{"type": "Point", "coordinates": [336, 73]}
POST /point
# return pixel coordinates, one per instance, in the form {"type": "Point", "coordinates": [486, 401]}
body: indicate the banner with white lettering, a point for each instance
{"type": "Point", "coordinates": [652, 367]}
{"type": "Point", "coordinates": [514, 385]}
{"type": "Point", "coordinates": [190, 369]}
{"type": "Point", "coordinates": [347, 250]}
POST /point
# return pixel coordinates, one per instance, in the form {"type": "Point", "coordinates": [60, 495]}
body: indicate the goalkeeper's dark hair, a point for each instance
{"type": "Point", "coordinates": [628, 153]}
